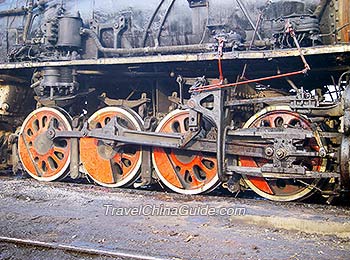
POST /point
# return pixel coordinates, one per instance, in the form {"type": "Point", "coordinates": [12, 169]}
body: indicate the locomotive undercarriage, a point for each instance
{"type": "Point", "coordinates": [282, 146]}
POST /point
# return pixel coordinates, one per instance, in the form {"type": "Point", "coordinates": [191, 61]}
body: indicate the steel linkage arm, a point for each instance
{"type": "Point", "coordinates": [269, 144]}
{"type": "Point", "coordinates": [113, 131]}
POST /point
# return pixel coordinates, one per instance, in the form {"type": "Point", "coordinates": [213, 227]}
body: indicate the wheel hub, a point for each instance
{"type": "Point", "coordinates": [183, 157]}
{"type": "Point", "coordinates": [106, 152]}
{"type": "Point", "coordinates": [43, 144]}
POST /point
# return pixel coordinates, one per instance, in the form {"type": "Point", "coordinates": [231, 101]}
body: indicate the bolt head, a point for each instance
{"type": "Point", "coordinates": [269, 151]}
{"type": "Point", "coordinates": [51, 134]}
{"type": "Point", "coordinates": [191, 103]}
{"type": "Point", "coordinates": [322, 152]}
{"type": "Point", "coordinates": [280, 154]}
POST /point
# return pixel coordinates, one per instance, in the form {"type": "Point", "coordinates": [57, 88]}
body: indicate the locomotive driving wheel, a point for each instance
{"type": "Point", "coordinates": [283, 189]}
{"type": "Point", "coordinates": [185, 172]}
{"type": "Point", "coordinates": [43, 158]}
{"type": "Point", "coordinates": [108, 163]}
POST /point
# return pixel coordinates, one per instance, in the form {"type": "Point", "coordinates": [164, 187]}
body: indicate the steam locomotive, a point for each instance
{"type": "Point", "coordinates": [192, 94]}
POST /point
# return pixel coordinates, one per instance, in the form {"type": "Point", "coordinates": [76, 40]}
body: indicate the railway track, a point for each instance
{"type": "Point", "coordinates": [122, 254]}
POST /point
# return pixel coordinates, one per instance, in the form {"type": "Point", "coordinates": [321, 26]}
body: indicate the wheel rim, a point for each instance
{"type": "Point", "coordinates": [42, 158]}
{"type": "Point", "coordinates": [278, 189]}
{"type": "Point", "coordinates": [183, 171]}
{"type": "Point", "coordinates": [107, 164]}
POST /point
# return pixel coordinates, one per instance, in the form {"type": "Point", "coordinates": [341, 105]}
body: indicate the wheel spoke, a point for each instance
{"type": "Point", "coordinates": [60, 150]}
{"type": "Point", "coordinates": [208, 163]}
{"type": "Point", "coordinates": [129, 157]}
{"type": "Point", "coordinates": [183, 126]}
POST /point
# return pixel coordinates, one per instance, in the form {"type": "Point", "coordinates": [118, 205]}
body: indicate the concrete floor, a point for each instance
{"type": "Point", "coordinates": [75, 214]}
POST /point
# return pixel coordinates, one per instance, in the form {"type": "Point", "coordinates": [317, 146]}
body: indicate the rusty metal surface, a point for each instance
{"type": "Point", "coordinates": [343, 20]}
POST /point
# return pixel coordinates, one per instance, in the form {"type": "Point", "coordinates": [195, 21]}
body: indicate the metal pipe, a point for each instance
{"type": "Point", "coordinates": [147, 50]}
{"type": "Point", "coordinates": [16, 11]}
{"type": "Point", "coordinates": [292, 84]}
{"type": "Point", "coordinates": [246, 14]}
{"type": "Point", "coordinates": [163, 22]}
{"type": "Point", "coordinates": [255, 31]}
{"type": "Point", "coordinates": [150, 23]}
{"type": "Point", "coordinates": [21, 10]}
{"type": "Point", "coordinates": [341, 77]}
{"type": "Point", "coordinates": [206, 25]}
{"type": "Point", "coordinates": [28, 20]}
{"type": "Point", "coordinates": [321, 8]}
{"type": "Point", "coordinates": [258, 23]}
{"type": "Point", "coordinates": [35, 84]}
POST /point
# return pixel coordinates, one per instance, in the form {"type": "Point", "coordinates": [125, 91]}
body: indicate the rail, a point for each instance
{"type": "Point", "coordinates": [76, 249]}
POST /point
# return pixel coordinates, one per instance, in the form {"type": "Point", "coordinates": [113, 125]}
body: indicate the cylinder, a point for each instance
{"type": "Point", "coordinates": [51, 76]}
{"type": "Point", "coordinates": [69, 32]}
